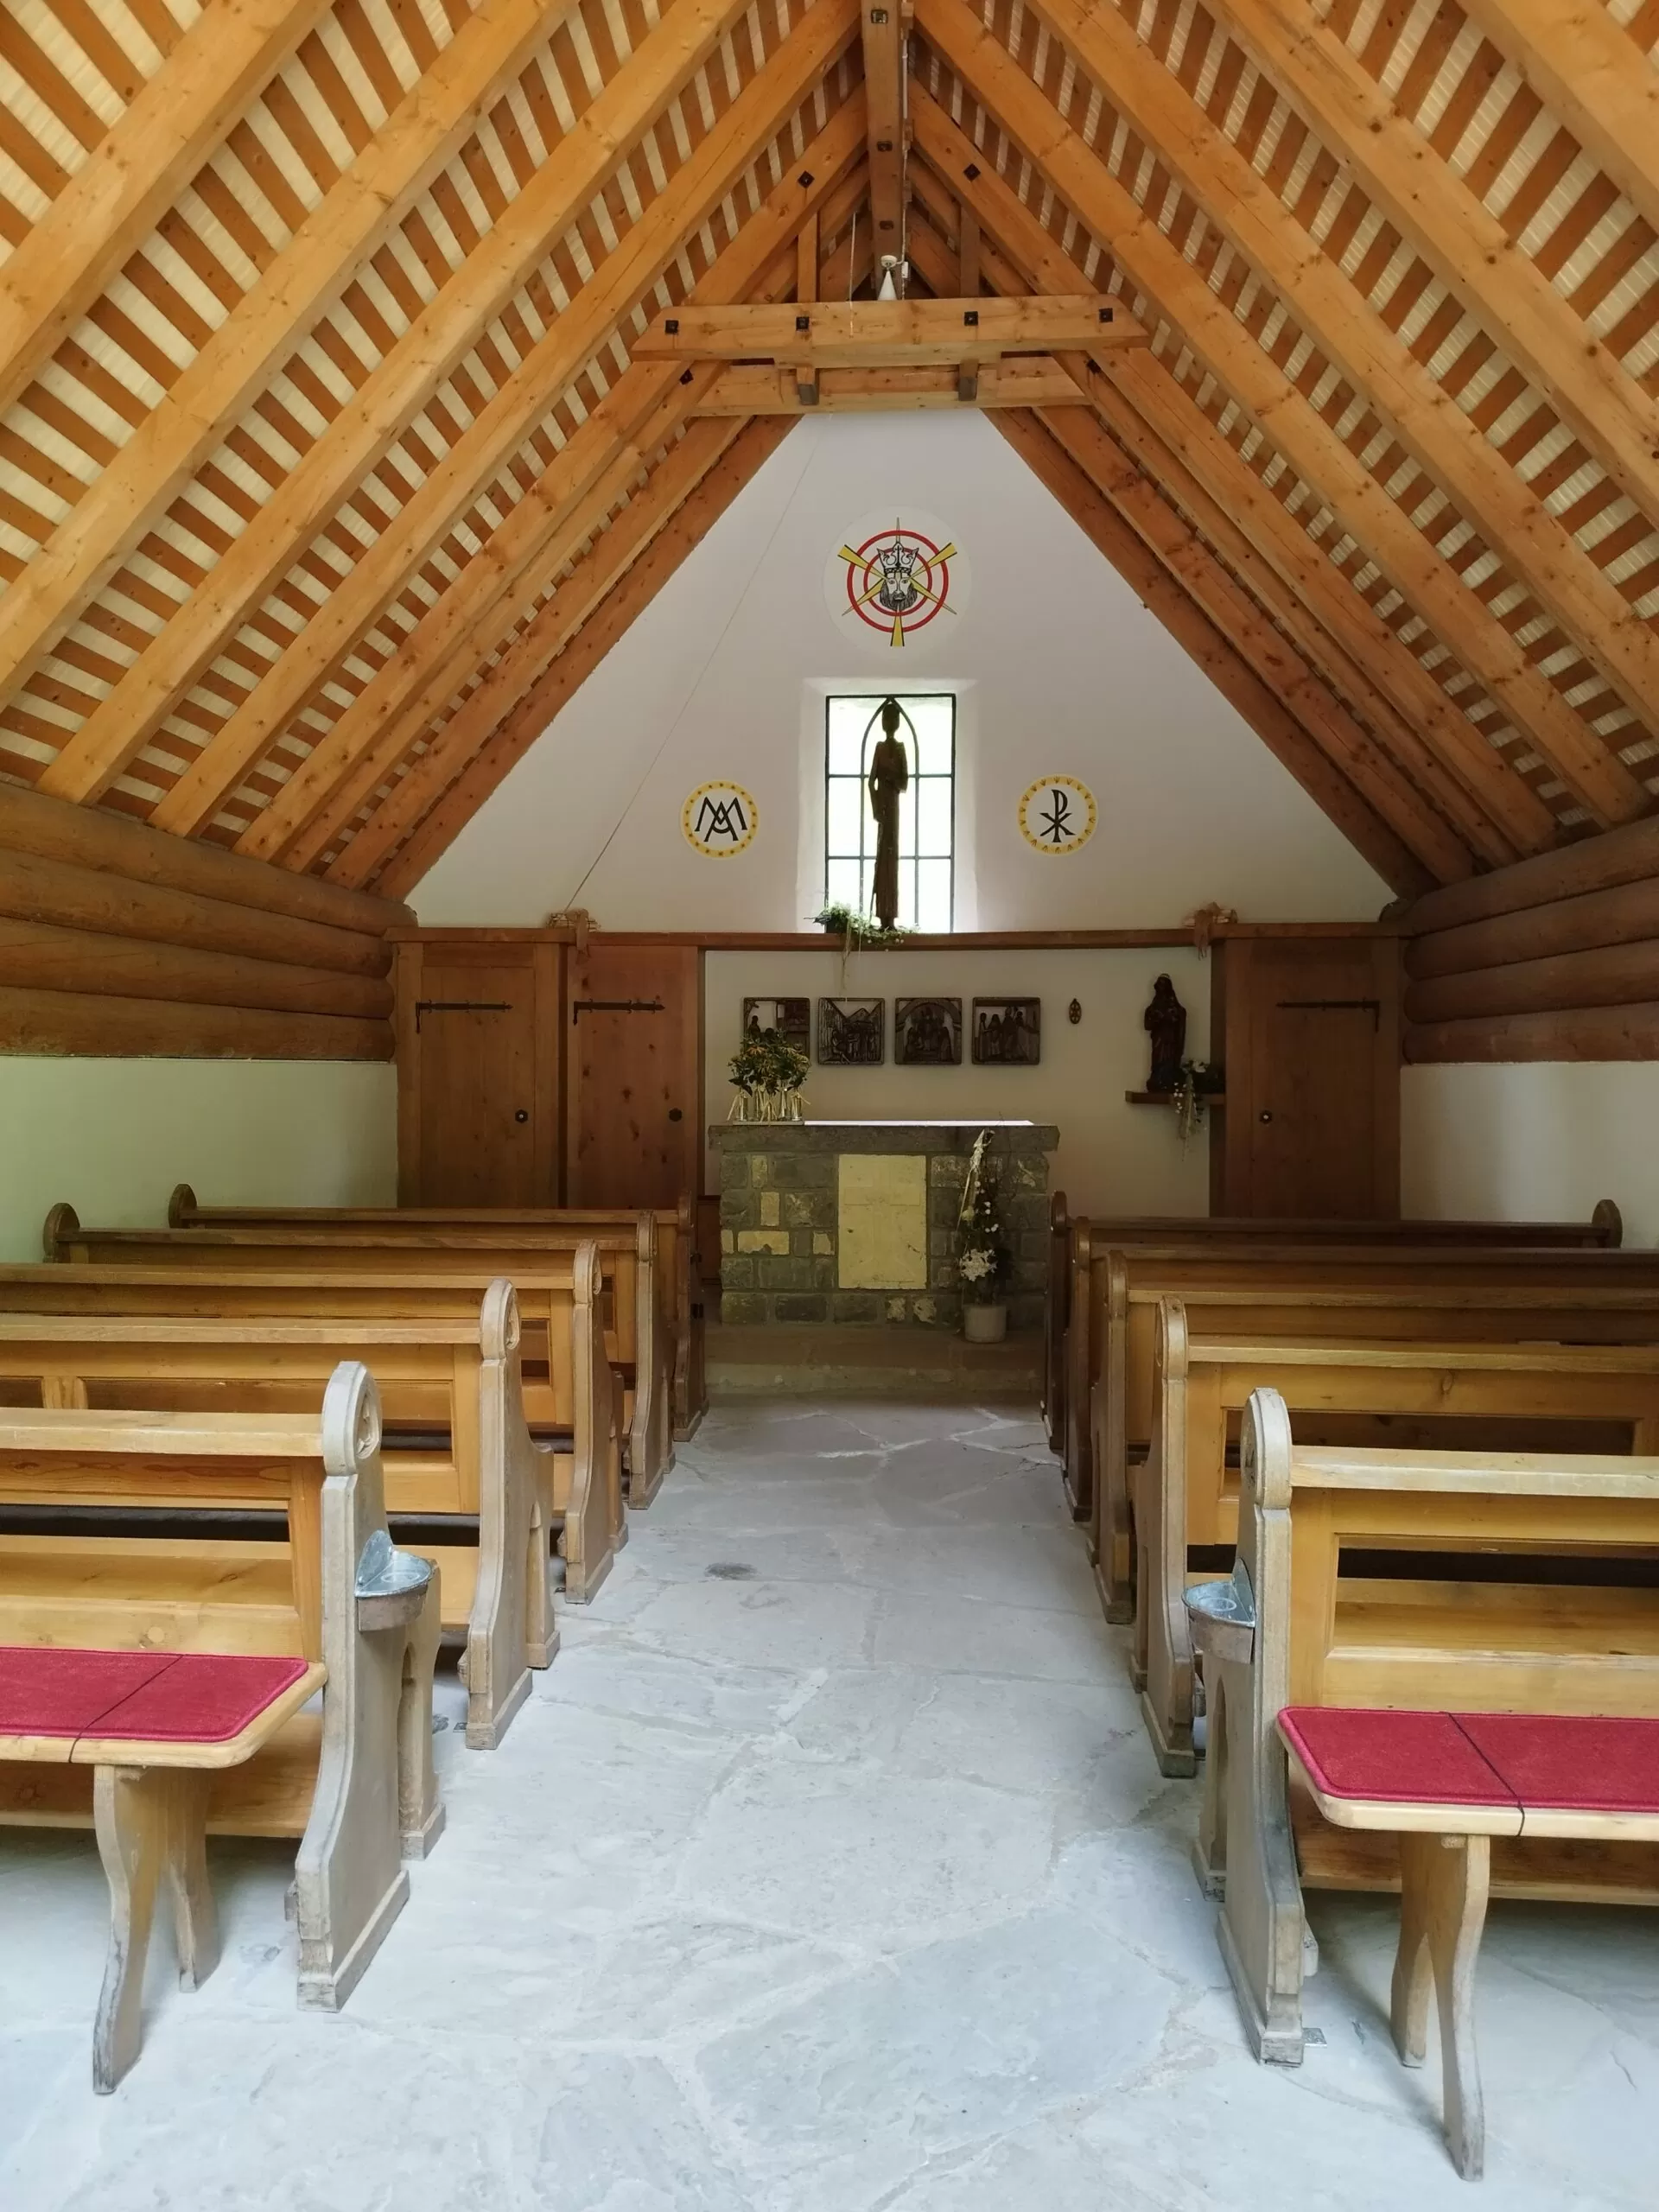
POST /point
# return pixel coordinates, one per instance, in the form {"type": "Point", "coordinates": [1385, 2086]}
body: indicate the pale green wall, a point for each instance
{"type": "Point", "coordinates": [114, 1136]}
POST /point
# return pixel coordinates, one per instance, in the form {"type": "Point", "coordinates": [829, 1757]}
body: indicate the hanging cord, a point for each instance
{"type": "Point", "coordinates": [852, 253]}
{"type": "Point", "coordinates": [697, 683]}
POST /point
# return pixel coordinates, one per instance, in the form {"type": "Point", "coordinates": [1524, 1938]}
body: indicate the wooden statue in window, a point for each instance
{"type": "Point", "coordinates": [889, 780]}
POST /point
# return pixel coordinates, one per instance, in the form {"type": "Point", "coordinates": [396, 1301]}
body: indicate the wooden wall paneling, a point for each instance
{"type": "Point", "coordinates": [478, 1043]}
{"type": "Point", "coordinates": [635, 1077]}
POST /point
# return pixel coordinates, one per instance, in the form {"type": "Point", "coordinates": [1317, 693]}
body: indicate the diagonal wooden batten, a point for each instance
{"type": "Point", "coordinates": [1213, 653]}
{"type": "Point", "coordinates": [450, 625]}
{"type": "Point", "coordinates": [1493, 277]}
{"type": "Point", "coordinates": [261, 331]}
{"type": "Point", "coordinates": [175, 123]}
{"type": "Point", "coordinates": [1422, 416]}
{"type": "Point", "coordinates": [1597, 779]}
{"type": "Point", "coordinates": [1179, 445]}
{"type": "Point", "coordinates": [1585, 66]}
{"type": "Point", "coordinates": [369, 424]}
{"type": "Point", "coordinates": [622, 604]}
{"type": "Point", "coordinates": [677, 475]}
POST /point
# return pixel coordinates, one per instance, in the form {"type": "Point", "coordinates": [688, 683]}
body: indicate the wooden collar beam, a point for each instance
{"type": "Point", "coordinates": [888, 333]}
{"type": "Point", "coordinates": [762, 388]}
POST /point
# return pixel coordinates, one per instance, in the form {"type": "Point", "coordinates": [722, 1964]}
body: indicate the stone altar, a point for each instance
{"type": "Point", "coordinates": [856, 1221]}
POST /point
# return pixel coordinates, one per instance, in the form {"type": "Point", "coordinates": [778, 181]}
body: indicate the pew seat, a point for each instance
{"type": "Point", "coordinates": [1444, 1784]}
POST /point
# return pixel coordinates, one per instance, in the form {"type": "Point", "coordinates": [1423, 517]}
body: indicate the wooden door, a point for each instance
{"type": "Point", "coordinates": [478, 1096]}
{"type": "Point", "coordinates": [635, 1061]}
{"type": "Point", "coordinates": [1312, 1056]}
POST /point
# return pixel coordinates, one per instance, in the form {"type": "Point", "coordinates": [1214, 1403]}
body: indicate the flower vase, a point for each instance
{"type": "Point", "coordinates": [984, 1325]}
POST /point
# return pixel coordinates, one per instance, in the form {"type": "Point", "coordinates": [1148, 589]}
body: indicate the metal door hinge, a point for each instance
{"type": "Point", "coordinates": [1373, 1006]}
{"type": "Point", "coordinates": [459, 1006]}
{"type": "Point", "coordinates": [616, 1006]}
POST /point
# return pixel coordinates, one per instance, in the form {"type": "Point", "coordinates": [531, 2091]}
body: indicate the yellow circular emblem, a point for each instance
{"type": "Point", "coordinates": [1057, 815]}
{"type": "Point", "coordinates": [719, 820]}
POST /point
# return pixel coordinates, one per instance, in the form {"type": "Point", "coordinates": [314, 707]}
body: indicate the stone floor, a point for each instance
{"type": "Point", "coordinates": [828, 1870]}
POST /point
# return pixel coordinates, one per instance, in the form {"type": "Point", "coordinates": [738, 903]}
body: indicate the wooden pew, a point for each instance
{"type": "Point", "coordinates": [1369, 1581]}
{"type": "Point", "coordinates": [568, 1394]}
{"type": "Point", "coordinates": [1134, 1279]}
{"type": "Point", "coordinates": [138, 1693]}
{"type": "Point", "coordinates": [1436, 1395]}
{"type": "Point", "coordinates": [676, 1254]}
{"type": "Point", "coordinates": [1080, 1251]}
{"type": "Point", "coordinates": [461, 1376]}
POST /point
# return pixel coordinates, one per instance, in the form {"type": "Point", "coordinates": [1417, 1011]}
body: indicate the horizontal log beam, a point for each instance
{"type": "Point", "coordinates": [69, 1024]}
{"type": "Point", "coordinates": [1624, 916]}
{"type": "Point", "coordinates": [1614, 974]}
{"type": "Point", "coordinates": [889, 333]}
{"type": "Point", "coordinates": [38, 955]}
{"type": "Point", "coordinates": [56, 829]}
{"type": "Point", "coordinates": [1607, 1033]}
{"type": "Point", "coordinates": [1622, 855]}
{"type": "Point", "coordinates": [760, 388]}
{"type": "Point", "coordinates": [54, 892]}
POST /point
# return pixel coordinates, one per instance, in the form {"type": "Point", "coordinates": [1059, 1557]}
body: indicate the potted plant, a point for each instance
{"type": "Point", "coordinates": [766, 1072]}
{"type": "Point", "coordinates": [983, 1255]}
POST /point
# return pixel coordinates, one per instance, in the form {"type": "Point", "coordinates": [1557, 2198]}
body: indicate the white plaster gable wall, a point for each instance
{"type": "Point", "coordinates": [1061, 671]}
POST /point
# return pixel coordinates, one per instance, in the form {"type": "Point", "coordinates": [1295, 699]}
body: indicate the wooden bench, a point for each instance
{"type": "Point", "coordinates": [567, 1395]}
{"type": "Point", "coordinates": [491, 1486]}
{"type": "Point", "coordinates": [156, 1692]}
{"type": "Point", "coordinates": [1467, 1583]}
{"type": "Point", "coordinates": [1136, 1280]}
{"type": "Point", "coordinates": [1073, 1243]}
{"type": "Point", "coordinates": [1444, 1394]}
{"type": "Point", "coordinates": [636, 1344]}
{"type": "Point", "coordinates": [677, 1253]}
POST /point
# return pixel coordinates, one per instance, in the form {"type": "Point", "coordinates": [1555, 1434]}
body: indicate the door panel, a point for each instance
{"type": "Point", "coordinates": [478, 1096]}
{"type": "Point", "coordinates": [635, 1032]}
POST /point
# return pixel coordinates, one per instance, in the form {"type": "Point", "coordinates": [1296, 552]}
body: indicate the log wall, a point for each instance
{"type": "Point", "coordinates": [116, 939]}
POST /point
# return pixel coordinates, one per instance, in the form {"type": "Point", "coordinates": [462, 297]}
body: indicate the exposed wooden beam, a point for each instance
{"type": "Point", "coordinates": [1492, 277]}
{"type": "Point", "coordinates": [757, 388]}
{"type": "Point", "coordinates": [536, 709]}
{"type": "Point", "coordinates": [1626, 856]}
{"type": "Point", "coordinates": [888, 333]}
{"type": "Point", "coordinates": [1585, 65]}
{"type": "Point", "coordinates": [1422, 417]}
{"type": "Point", "coordinates": [367, 426]}
{"type": "Point", "coordinates": [1351, 750]}
{"type": "Point", "coordinates": [967, 289]}
{"type": "Point", "coordinates": [1214, 653]}
{"type": "Point", "coordinates": [1613, 975]}
{"type": "Point", "coordinates": [1627, 913]}
{"type": "Point", "coordinates": [1156, 267]}
{"type": "Point", "coordinates": [37, 956]}
{"type": "Point", "coordinates": [806, 291]}
{"type": "Point", "coordinates": [1602, 1033]}
{"type": "Point", "coordinates": [1178, 445]}
{"type": "Point", "coordinates": [49, 1024]}
{"type": "Point", "coordinates": [130, 178]}
{"type": "Point", "coordinates": [453, 483]}
{"type": "Point", "coordinates": [883, 27]}
{"type": "Point", "coordinates": [236, 362]}
{"type": "Point", "coordinates": [650, 510]}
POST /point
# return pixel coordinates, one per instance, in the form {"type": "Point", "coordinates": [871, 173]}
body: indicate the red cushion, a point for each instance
{"type": "Point", "coordinates": [1397, 1758]}
{"type": "Point", "coordinates": [1583, 1764]}
{"type": "Point", "coordinates": [46, 1692]}
{"type": "Point", "coordinates": [191, 1697]}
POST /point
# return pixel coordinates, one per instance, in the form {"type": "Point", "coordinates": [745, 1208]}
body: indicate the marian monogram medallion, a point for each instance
{"type": "Point", "coordinates": [719, 820]}
{"type": "Point", "coordinates": [1058, 815]}
{"type": "Point", "coordinates": [897, 581]}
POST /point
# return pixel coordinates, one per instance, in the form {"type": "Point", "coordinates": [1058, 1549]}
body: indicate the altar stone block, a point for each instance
{"type": "Point", "coordinates": [883, 1208]}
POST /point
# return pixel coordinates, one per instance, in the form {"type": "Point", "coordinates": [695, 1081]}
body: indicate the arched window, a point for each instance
{"type": "Point", "coordinates": [926, 813]}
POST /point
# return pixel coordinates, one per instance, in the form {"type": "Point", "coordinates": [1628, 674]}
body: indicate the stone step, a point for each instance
{"type": "Point", "coordinates": [767, 1360]}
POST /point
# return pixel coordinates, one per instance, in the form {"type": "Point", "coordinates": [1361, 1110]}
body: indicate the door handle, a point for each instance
{"type": "Point", "coordinates": [675, 1115]}
{"type": "Point", "coordinates": [1264, 1117]}
{"type": "Point", "coordinates": [522, 1114]}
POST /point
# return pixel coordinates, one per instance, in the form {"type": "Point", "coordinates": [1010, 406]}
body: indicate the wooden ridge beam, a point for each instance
{"type": "Point", "coordinates": [370, 423]}
{"type": "Point", "coordinates": [883, 28]}
{"type": "Point", "coordinates": [748, 388]}
{"type": "Point", "coordinates": [54, 1023]}
{"type": "Point", "coordinates": [627, 598]}
{"type": "Point", "coordinates": [450, 747]}
{"type": "Point", "coordinates": [1629, 855]}
{"type": "Point", "coordinates": [39, 956]}
{"type": "Point", "coordinates": [1607, 1032]}
{"type": "Point", "coordinates": [261, 331]}
{"type": "Point", "coordinates": [1157, 267]}
{"type": "Point", "coordinates": [1423, 418]}
{"type": "Point", "coordinates": [1585, 65]}
{"type": "Point", "coordinates": [89, 838]}
{"type": "Point", "coordinates": [475, 610]}
{"type": "Point", "coordinates": [1168, 601]}
{"type": "Point", "coordinates": [1493, 277]}
{"type": "Point", "coordinates": [1238, 515]}
{"type": "Point", "coordinates": [888, 333]}
{"type": "Point", "coordinates": [174, 122]}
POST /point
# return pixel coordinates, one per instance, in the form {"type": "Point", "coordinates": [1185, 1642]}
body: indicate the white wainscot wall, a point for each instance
{"type": "Point", "coordinates": [1113, 1157]}
{"type": "Point", "coordinates": [1537, 1140]}
{"type": "Point", "coordinates": [114, 1136]}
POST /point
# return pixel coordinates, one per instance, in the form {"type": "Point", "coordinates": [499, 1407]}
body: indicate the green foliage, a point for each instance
{"type": "Point", "coordinates": [765, 1061]}
{"type": "Point", "coordinates": [857, 930]}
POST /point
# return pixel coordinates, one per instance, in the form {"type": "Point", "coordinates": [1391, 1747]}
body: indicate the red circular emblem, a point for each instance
{"type": "Point", "coordinates": [898, 582]}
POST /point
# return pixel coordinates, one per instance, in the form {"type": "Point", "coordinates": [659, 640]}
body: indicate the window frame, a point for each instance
{"type": "Point", "coordinates": [865, 857]}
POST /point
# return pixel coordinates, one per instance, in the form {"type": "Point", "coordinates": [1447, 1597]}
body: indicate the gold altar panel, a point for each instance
{"type": "Point", "coordinates": [883, 1220]}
